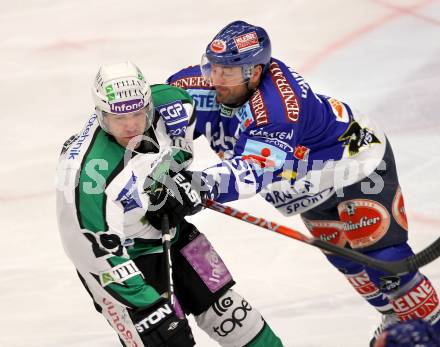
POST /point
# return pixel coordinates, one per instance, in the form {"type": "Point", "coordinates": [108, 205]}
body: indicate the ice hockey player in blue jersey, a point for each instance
{"type": "Point", "coordinates": [306, 154]}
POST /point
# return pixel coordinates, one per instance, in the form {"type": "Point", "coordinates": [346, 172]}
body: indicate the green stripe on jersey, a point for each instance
{"type": "Point", "coordinates": [144, 247]}
{"type": "Point", "coordinates": [134, 291]}
{"type": "Point", "coordinates": [102, 159]}
{"type": "Point", "coordinates": [265, 338]}
{"type": "Point", "coordinates": [164, 94]}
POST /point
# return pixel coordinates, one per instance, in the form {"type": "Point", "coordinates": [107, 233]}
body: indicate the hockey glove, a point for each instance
{"type": "Point", "coordinates": [159, 326]}
{"type": "Point", "coordinates": [177, 195]}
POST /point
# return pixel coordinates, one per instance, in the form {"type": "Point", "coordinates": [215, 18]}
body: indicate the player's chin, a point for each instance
{"type": "Point", "coordinates": [132, 139]}
{"type": "Point", "coordinates": [223, 96]}
{"type": "Point", "coordinates": [221, 88]}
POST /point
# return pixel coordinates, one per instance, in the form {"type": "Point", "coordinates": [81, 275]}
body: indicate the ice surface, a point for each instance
{"type": "Point", "coordinates": [380, 56]}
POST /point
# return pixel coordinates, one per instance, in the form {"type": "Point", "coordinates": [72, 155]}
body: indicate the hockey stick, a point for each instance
{"type": "Point", "coordinates": [398, 267]}
{"type": "Point", "coordinates": [166, 243]}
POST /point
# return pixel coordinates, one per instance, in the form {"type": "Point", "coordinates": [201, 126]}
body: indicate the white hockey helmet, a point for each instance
{"type": "Point", "coordinates": [121, 88]}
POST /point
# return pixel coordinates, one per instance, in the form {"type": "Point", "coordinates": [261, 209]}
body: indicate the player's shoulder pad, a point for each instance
{"type": "Point", "coordinates": [164, 94]}
{"type": "Point", "coordinates": [277, 98]}
{"type": "Point", "coordinates": [189, 78]}
{"type": "Point", "coordinates": [174, 105]}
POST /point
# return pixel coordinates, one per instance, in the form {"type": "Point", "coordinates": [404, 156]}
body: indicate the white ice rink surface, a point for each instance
{"type": "Point", "coordinates": [380, 56]}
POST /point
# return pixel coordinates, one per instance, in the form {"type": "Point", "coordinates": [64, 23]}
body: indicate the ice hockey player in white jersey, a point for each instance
{"type": "Point", "coordinates": [103, 173]}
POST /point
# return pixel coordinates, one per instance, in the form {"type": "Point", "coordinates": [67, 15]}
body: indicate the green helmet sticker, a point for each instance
{"type": "Point", "coordinates": [110, 93]}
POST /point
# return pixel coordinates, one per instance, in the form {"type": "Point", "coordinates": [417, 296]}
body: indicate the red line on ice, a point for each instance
{"type": "Point", "coordinates": [356, 34]}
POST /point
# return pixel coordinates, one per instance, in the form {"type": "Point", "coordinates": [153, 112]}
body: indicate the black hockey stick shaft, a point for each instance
{"type": "Point", "coordinates": [166, 243]}
{"type": "Point", "coordinates": [398, 267]}
{"type": "Point", "coordinates": [425, 256]}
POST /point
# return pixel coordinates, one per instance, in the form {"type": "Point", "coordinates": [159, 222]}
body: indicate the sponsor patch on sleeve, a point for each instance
{"type": "Point", "coordinates": [129, 196]}
{"type": "Point", "coordinates": [119, 274]}
{"type": "Point", "coordinates": [339, 110]}
{"type": "Point", "coordinates": [173, 112]}
{"type": "Point", "coordinates": [301, 152]}
{"type": "Point", "coordinates": [266, 157]}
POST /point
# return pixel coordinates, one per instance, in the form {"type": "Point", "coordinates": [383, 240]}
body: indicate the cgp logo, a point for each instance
{"type": "Point", "coordinates": [237, 315]}
{"type": "Point", "coordinates": [173, 113]}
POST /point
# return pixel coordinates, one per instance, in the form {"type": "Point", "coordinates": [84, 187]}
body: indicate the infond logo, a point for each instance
{"type": "Point", "coordinates": [127, 106]}
{"type": "Point", "coordinates": [154, 318]}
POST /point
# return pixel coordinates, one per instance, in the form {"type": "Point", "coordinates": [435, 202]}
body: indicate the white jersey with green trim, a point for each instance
{"type": "Point", "coordinates": [101, 206]}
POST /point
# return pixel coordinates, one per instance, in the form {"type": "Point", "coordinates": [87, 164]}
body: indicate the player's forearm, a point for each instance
{"type": "Point", "coordinates": [235, 179]}
{"type": "Point", "coordinates": [126, 284]}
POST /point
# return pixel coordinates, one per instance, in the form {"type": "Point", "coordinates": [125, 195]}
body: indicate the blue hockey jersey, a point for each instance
{"type": "Point", "coordinates": [294, 147]}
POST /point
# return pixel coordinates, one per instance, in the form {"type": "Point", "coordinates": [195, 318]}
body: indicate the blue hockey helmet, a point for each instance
{"type": "Point", "coordinates": [238, 44]}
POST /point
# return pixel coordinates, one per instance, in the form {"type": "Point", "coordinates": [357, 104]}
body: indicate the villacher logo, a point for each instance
{"type": "Point", "coordinates": [218, 46]}
{"type": "Point", "coordinates": [365, 221]}
{"type": "Point", "coordinates": [327, 230]}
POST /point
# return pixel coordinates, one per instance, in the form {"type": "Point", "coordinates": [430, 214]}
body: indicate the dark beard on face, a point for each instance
{"type": "Point", "coordinates": [239, 101]}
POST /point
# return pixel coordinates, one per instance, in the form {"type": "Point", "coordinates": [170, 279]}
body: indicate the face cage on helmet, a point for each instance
{"type": "Point", "coordinates": [225, 74]}
{"type": "Point", "coordinates": [149, 114]}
